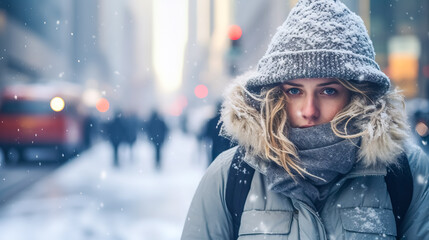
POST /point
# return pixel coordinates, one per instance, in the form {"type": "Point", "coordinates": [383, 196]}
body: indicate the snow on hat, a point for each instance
{"type": "Point", "coordinates": [319, 39]}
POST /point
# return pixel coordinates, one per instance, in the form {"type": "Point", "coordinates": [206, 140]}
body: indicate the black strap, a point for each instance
{"type": "Point", "coordinates": [399, 183]}
{"type": "Point", "coordinates": [237, 187]}
{"type": "Point", "coordinates": [400, 187]}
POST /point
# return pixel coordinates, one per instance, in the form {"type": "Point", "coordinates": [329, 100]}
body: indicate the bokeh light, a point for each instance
{"type": "Point", "coordinates": [57, 104]}
{"type": "Point", "coordinates": [201, 91]}
{"type": "Point", "coordinates": [422, 129]}
{"type": "Point", "coordinates": [90, 97]}
{"type": "Point", "coordinates": [102, 105]}
{"type": "Point", "coordinates": [234, 32]}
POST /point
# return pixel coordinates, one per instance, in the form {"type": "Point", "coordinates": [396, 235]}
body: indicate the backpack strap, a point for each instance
{"type": "Point", "coordinates": [237, 187]}
{"type": "Point", "coordinates": [400, 187]}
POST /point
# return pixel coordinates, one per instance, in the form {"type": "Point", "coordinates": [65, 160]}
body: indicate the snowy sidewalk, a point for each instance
{"type": "Point", "coordinates": [89, 199]}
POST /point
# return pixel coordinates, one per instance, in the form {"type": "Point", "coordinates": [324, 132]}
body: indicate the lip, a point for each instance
{"type": "Point", "coordinates": [307, 126]}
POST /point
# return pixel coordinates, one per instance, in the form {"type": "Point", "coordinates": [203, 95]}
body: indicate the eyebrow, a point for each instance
{"type": "Point", "coordinates": [319, 85]}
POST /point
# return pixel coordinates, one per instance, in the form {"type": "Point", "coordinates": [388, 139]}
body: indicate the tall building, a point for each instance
{"type": "Point", "coordinates": [214, 61]}
{"type": "Point", "coordinates": [399, 30]}
{"type": "Point", "coordinates": [35, 40]}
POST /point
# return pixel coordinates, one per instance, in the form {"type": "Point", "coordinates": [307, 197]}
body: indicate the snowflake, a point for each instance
{"type": "Point", "coordinates": [421, 179]}
{"type": "Point", "coordinates": [253, 198]}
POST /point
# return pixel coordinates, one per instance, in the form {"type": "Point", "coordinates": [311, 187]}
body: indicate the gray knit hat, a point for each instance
{"type": "Point", "coordinates": [319, 39]}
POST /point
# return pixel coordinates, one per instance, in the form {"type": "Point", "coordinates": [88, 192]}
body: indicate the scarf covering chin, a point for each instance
{"type": "Point", "coordinates": [321, 153]}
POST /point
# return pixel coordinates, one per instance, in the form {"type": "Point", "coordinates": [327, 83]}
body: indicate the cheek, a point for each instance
{"type": "Point", "coordinates": [291, 110]}
{"type": "Point", "coordinates": [330, 113]}
{"type": "Point", "coordinates": [331, 109]}
{"type": "Point", "coordinates": [292, 114]}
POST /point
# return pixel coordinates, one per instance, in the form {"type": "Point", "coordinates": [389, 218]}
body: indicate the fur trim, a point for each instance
{"type": "Point", "coordinates": [240, 121]}
{"type": "Point", "coordinates": [384, 124]}
{"type": "Point", "coordinates": [386, 127]}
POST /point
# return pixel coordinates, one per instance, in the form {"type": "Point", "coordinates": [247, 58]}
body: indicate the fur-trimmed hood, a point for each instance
{"type": "Point", "coordinates": [386, 128]}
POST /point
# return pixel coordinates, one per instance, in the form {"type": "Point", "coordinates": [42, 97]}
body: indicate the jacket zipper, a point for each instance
{"type": "Point", "coordinates": [316, 214]}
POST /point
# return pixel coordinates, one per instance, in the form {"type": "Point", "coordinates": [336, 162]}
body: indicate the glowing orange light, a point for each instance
{"type": "Point", "coordinates": [201, 91]}
{"type": "Point", "coordinates": [102, 105]}
{"type": "Point", "coordinates": [403, 67]}
{"type": "Point", "coordinates": [403, 70]}
{"type": "Point", "coordinates": [234, 32]}
{"type": "Point", "coordinates": [422, 129]}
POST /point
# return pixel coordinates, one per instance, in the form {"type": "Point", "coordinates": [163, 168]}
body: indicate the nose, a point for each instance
{"type": "Point", "coordinates": [310, 110]}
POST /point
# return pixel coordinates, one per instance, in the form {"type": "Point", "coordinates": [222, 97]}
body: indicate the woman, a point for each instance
{"type": "Point", "coordinates": [321, 128]}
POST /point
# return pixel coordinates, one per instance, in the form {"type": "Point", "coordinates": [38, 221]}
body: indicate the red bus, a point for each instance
{"type": "Point", "coordinates": [41, 116]}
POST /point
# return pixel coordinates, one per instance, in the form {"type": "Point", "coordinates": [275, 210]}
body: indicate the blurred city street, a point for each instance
{"type": "Point", "coordinates": [81, 81]}
{"type": "Point", "coordinates": [87, 198]}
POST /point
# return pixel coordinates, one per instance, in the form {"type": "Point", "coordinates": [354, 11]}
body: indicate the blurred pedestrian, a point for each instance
{"type": "Point", "coordinates": [184, 121]}
{"type": "Point", "coordinates": [210, 134]}
{"type": "Point", "coordinates": [116, 133]}
{"type": "Point", "coordinates": [324, 150]}
{"type": "Point", "coordinates": [91, 125]}
{"type": "Point", "coordinates": [131, 124]}
{"type": "Point", "coordinates": [157, 131]}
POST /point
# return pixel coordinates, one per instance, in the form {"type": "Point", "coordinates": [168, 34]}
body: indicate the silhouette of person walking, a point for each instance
{"type": "Point", "coordinates": [157, 131]}
{"type": "Point", "coordinates": [211, 134]}
{"type": "Point", "coordinates": [116, 130]}
{"type": "Point", "coordinates": [131, 123]}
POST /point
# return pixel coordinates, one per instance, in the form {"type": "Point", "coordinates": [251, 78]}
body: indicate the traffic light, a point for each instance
{"type": "Point", "coordinates": [234, 34]}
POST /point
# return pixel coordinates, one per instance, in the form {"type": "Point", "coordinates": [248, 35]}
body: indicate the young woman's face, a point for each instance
{"type": "Point", "coordinates": [314, 101]}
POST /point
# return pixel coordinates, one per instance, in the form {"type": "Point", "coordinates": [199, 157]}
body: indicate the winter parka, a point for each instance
{"type": "Point", "coordinates": [358, 205]}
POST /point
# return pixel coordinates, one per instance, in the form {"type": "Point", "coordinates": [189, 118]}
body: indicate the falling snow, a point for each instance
{"type": "Point", "coordinates": [421, 179]}
{"type": "Point", "coordinates": [253, 198]}
{"type": "Point", "coordinates": [88, 198]}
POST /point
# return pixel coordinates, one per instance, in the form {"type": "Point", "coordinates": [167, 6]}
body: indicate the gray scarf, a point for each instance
{"type": "Point", "coordinates": [321, 153]}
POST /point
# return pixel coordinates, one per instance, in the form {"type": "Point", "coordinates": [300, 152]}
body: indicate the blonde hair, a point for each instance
{"type": "Point", "coordinates": [363, 94]}
{"type": "Point", "coordinates": [273, 116]}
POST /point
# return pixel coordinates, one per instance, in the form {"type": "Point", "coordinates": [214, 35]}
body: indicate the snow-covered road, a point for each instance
{"type": "Point", "coordinates": [89, 199]}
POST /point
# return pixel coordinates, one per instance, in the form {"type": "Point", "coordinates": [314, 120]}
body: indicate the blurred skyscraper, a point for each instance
{"type": "Point", "coordinates": [35, 40]}
{"type": "Point", "coordinates": [144, 54]}
{"type": "Point", "coordinates": [208, 57]}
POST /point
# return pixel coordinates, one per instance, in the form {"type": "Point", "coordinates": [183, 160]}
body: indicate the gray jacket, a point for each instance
{"type": "Point", "coordinates": [358, 207]}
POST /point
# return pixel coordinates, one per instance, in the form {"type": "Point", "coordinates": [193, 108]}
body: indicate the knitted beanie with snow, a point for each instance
{"type": "Point", "coordinates": [319, 39]}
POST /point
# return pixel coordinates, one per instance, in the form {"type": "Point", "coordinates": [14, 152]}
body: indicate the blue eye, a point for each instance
{"type": "Point", "coordinates": [293, 91]}
{"type": "Point", "coordinates": [329, 91]}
